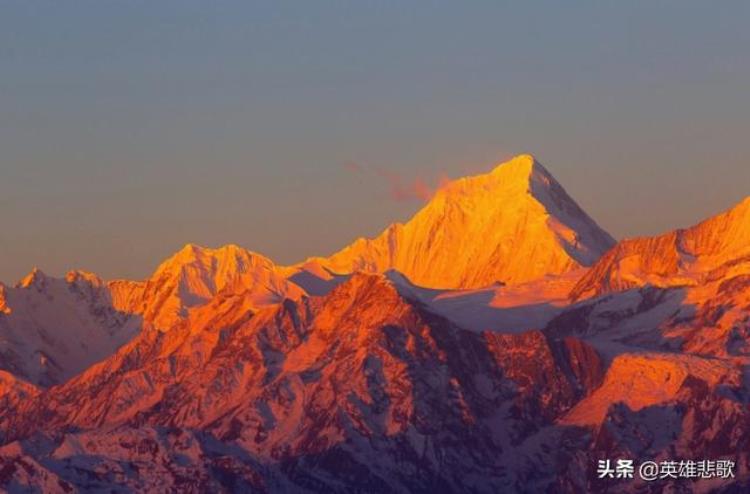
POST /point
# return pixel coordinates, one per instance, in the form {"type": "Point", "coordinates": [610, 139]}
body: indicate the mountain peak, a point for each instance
{"type": "Point", "coordinates": [520, 167]}
{"type": "Point", "coordinates": [195, 274]}
{"type": "Point", "coordinates": [188, 250]}
{"type": "Point", "coordinates": [510, 179]}
{"type": "Point", "coordinates": [513, 224]}
{"type": "Point", "coordinates": [230, 256]}
{"type": "Point", "coordinates": [76, 276]}
{"type": "Point", "coordinates": [36, 278]}
{"type": "Point", "coordinates": [191, 250]}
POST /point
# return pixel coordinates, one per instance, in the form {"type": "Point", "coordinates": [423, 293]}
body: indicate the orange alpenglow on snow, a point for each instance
{"type": "Point", "coordinates": [512, 225]}
{"type": "Point", "coordinates": [647, 379]}
{"type": "Point", "coordinates": [718, 247]}
{"type": "Point", "coordinates": [221, 356]}
{"type": "Point", "coordinates": [4, 309]}
{"type": "Point", "coordinates": [194, 275]}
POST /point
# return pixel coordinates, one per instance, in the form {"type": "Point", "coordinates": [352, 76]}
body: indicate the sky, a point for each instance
{"type": "Point", "coordinates": [128, 129]}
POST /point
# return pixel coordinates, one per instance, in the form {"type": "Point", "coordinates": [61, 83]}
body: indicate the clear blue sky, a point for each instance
{"type": "Point", "coordinates": [130, 128]}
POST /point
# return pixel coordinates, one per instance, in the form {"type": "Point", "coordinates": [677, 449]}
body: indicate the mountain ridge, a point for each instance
{"type": "Point", "coordinates": [511, 225]}
{"type": "Point", "coordinates": [223, 371]}
{"type": "Point", "coordinates": [716, 246]}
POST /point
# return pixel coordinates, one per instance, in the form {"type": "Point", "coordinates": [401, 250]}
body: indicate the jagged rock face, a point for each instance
{"type": "Point", "coordinates": [325, 390]}
{"type": "Point", "coordinates": [716, 248]}
{"type": "Point", "coordinates": [513, 225]}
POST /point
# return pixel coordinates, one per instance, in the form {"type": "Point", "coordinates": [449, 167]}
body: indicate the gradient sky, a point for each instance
{"type": "Point", "coordinates": [128, 129]}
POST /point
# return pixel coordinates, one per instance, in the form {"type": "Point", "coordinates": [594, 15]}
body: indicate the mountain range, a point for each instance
{"type": "Point", "coordinates": [499, 341]}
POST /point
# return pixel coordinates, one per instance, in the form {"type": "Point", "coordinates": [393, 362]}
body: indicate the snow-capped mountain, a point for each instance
{"type": "Point", "coordinates": [51, 329]}
{"type": "Point", "coordinates": [226, 373]}
{"type": "Point", "coordinates": [512, 225]}
{"type": "Point", "coordinates": [194, 275]}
